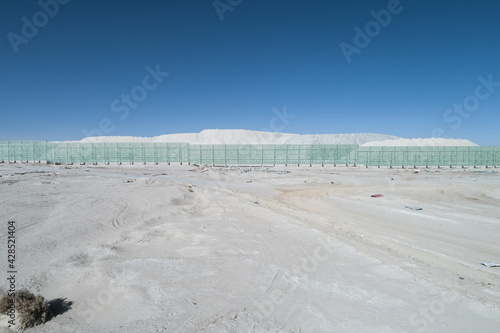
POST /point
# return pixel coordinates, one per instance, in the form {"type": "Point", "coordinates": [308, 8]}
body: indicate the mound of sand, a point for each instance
{"type": "Point", "coordinates": [217, 136]}
{"type": "Point", "coordinates": [421, 142]}
{"type": "Point", "coordinates": [238, 136]}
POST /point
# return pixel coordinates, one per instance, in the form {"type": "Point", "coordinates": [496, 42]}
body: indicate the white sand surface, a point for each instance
{"type": "Point", "coordinates": [144, 248]}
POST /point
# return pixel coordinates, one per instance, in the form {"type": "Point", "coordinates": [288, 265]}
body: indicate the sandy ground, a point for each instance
{"type": "Point", "coordinates": [138, 248]}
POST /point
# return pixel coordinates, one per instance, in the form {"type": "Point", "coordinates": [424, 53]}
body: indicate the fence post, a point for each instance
{"type": "Point", "coordinates": [286, 156]}
{"type": "Point", "coordinates": [274, 155]}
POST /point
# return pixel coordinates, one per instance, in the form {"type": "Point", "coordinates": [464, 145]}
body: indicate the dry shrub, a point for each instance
{"type": "Point", "coordinates": [31, 310]}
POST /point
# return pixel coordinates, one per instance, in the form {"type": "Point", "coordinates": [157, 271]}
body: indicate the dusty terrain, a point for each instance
{"type": "Point", "coordinates": [145, 248]}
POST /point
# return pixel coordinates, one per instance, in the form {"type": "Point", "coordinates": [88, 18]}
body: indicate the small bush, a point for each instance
{"type": "Point", "coordinates": [31, 310]}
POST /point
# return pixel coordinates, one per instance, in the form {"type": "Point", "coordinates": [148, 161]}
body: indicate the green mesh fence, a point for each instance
{"type": "Point", "coordinates": [246, 155]}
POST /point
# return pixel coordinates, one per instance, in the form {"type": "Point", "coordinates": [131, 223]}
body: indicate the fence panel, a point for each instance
{"type": "Point", "coordinates": [195, 154]}
{"type": "Point", "coordinates": [293, 154]}
{"type": "Point", "coordinates": [244, 155]}
{"type": "Point", "coordinates": [269, 154]}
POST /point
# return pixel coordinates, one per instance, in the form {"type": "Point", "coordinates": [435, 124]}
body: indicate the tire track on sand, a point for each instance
{"type": "Point", "coordinates": [76, 208]}
{"type": "Point", "coordinates": [129, 214]}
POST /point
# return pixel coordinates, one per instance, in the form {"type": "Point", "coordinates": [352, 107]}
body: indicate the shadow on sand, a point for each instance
{"type": "Point", "coordinates": [59, 306]}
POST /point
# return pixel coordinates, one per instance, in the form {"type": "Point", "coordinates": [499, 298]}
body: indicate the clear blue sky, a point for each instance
{"type": "Point", "coordinates": [75, 72]}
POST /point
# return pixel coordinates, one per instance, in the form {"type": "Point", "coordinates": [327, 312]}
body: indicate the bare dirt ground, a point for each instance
{"type": "Point", "coordinates": [145, 248]}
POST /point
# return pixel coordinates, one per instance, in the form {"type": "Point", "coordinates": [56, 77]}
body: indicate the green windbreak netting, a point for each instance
{"type": "Point", "coordinates": [246, 155]}
{"type": "Point", "coordinates": [429, 156]}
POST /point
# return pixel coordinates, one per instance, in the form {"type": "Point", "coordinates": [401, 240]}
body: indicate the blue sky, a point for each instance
{"type": "Point", "coordinates": [424, 68]}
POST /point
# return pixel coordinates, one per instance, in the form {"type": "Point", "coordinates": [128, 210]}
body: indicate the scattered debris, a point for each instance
{"type": "Point", "coordinates": [280, 172]}
{"type": "Point", "coordinates": [200, 168]}
{"type": "Point", "coordinates": [414, 208]}
{"type": "Point", "coordinates": [490, 264]}
{"type": "Point", "coordinates": [145, 180]}
{"type": "Point", "coordinates": [377, 195]}
{"type": "Point", "coordinates": [9, 182]}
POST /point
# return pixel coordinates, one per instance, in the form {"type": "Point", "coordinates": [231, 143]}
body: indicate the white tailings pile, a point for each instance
{"type": "Point", "coordinates": [421, 142]}
{"type": "Point", "coordinates": [230, 136]}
